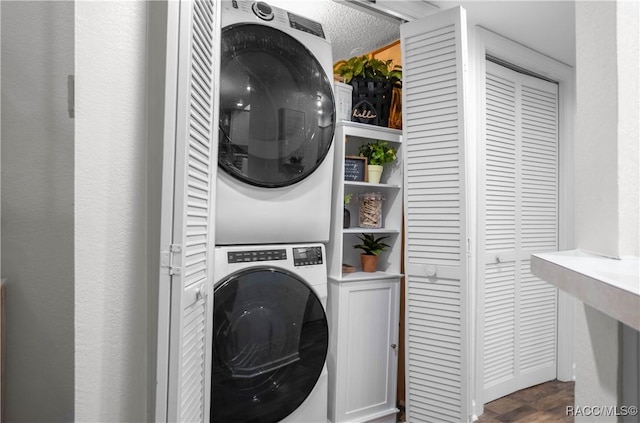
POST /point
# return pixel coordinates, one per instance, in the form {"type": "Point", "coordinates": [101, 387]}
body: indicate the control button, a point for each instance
{"type": "Point", "coordinates": [263, 10]}
{"type": "Point", "coordinates": [234, 3]}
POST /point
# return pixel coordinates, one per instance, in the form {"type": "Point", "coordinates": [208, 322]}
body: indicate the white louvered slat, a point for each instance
{"type": "Point", "coordinates": [499, 321]}
{"type": "Point", "coordinates": [195, 168]}
{"type": "Point", "coordinates": [539, 170]}
{"type": "Point", "coordinates": [500, 230]}
{"type": "Point", "coordinates": [197, 241]}
{"type": "Point", "coordinates": [537, 321]}
{"type": "Point", "coordinates": [520, 206]}
{"type": "Point", "coordinates": [193, 358]}
{"type": "Point", "coordinates": [434, 55]}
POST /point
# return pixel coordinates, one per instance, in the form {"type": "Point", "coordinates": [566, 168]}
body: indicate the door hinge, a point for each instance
{"type": "Point", "coordinates": [170, 259]}
{"type": "Point", "coordinates": [468, 247]}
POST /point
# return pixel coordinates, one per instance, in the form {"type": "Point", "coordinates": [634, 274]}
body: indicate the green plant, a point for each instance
{"type": "Point", "coordinates": [368, 67]}
{"type": "Point", "coordinates": [347, 198]}
{"type": "Point", "coordinates": [370, 245]}
{"type": "Point", "coordinates": [378, 153]}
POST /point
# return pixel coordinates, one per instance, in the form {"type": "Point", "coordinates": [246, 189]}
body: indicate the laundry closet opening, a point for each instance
{"type": "Point", "coordinates": [261, 209]}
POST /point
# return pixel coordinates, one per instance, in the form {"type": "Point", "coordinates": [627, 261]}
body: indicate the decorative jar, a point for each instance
{"type": "Point", "coordinates": [370, 215]}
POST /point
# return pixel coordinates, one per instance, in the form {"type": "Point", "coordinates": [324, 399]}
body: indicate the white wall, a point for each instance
{"type": "Point", "coordinates": [1, 370]}
{"type": "Point", "coordinates": [596, 155]}
{"type": "Point", "coordinates": [628, 52]}
{"type": "Point", "coordinates": [607, 128]}
{"type": "Point", "coordinates": [37, 209]}
{"type": "Point", "coordinates": [110, 207]}
{"type": "Point", "coordinates": [607, 172]}
{"type": "Point", "coordinates": [596, 347]}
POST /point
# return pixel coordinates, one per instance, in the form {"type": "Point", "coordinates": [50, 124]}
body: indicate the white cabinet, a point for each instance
{"type": "Point", "coordinates": [363, 307]}
{"type": "Point", "coordinates": [363, 352]}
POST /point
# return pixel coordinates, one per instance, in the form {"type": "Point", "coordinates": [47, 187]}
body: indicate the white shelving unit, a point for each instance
{"type": "Point", "coordinates": [363, 307]}
{"type": "Point", "coordinates": [349, 137]}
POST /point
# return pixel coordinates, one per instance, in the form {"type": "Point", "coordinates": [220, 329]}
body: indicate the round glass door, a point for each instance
{"type": "Point", "coordinates": [277, 112]}
{"type": "Point", "coordinates": [270, 340]}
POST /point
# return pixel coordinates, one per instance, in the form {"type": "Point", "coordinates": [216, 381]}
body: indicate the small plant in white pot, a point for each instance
{"type": "Point", "coordinates": [372, 248]}
{"type": "Point", "coordinates": [378, 154]}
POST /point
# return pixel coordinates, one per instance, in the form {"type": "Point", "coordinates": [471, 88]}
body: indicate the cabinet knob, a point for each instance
{"type": "Point", "coordinates": [393, 346]}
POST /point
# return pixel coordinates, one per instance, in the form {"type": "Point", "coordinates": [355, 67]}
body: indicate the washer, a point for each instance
{"type": "Point", "coordinates": [276, 124]}
{"type": "Point", "coordinates": [270, 334]}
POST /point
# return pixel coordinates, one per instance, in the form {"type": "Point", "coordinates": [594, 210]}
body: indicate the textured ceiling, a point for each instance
{"type": "Point", "coordinates": [354, 32]}
{"type": "Point", "coordinates": [351, 31]}
{"type": "Point", "coordinates": [544, 26]}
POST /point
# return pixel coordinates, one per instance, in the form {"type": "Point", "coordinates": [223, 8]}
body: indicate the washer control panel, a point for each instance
{"type": "Point", "coordinates": [256, 255]}
{"type": "Point", "coordinates": [307, 256]}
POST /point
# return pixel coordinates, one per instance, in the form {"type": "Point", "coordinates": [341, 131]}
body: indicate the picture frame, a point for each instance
{"type": "Point", "coordinates": [355, 168]}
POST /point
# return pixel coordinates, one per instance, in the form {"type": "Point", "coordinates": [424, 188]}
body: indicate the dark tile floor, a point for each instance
{"type": "Point", "coordinates": [546, 403]}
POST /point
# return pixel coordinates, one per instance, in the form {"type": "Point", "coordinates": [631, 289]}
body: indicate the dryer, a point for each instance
{"type": "Point", "coordinates": [270, 334]}
{"type": "Point", "coordinates": [276, 124]}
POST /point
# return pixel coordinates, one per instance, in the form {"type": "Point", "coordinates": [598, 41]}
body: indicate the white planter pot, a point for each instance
{"type": "Point", "coordinates": [374, 172]}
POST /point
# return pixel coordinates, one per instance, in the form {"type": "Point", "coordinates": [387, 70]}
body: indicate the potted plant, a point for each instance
{"type": "Point", "coordinates": [368, 67]}
{"type": "Point", "coordinates": [378, 154]}
{"type": "Point", "coordinates": [372, 247]}
{"type": "Point", "coordinates": [346, 215]}
{"type": "Point", "coordinates": [373, 81]}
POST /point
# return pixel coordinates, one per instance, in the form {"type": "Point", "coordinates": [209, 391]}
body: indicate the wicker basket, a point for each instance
{"type": "Point", "coordinates": [371, 101]}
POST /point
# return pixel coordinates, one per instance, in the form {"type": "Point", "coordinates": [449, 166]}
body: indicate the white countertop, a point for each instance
{"type": "Point", "coordinates": [609, 285]}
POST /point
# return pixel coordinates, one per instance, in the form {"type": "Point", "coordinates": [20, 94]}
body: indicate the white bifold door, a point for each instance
{"type": "Point", "coordinates": [518, 217]}
{"type": "Point", "coordinates": [434, 56]}
{"type": "Point", "coordinates": [187, 238]}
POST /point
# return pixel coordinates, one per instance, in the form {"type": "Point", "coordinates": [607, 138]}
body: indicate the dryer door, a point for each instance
{"type": "Point", "coordinates": [277, 111]}
{"type": "Point", "coordinates": [270, 340]}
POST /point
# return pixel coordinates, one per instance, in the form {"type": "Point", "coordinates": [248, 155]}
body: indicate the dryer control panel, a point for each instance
{"type": "Point", "coordinates": [268, 13]}
{"type": "Point", "coordinates": [306, 256]}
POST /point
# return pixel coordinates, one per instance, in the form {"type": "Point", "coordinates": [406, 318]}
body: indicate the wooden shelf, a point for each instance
{"type": "Point", "coordinates": [370, 131]}
{"type": "Point", "coordinates": [360, 230]}
{"type": "Point", "coordinates": [359, 276]}
{"type": "Point", "coordinates": [370, 185]}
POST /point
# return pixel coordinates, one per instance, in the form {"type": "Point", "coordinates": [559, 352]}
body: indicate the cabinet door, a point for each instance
{"type": "Point", "coordinates": [435, 76]}
{"type": "Point", "coordinates": [367, 369]}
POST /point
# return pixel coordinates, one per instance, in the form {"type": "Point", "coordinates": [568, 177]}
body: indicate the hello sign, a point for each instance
{"type": "Point", "coordinates": [364, 112]}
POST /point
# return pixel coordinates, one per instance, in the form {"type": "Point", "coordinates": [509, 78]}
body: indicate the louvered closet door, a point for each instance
{"type": "Point", "coordinates": [194, 181]}
{"type": "Point", "coordinates": [520, 206]}
{"type": "Point", "coordinates": [437, 359]}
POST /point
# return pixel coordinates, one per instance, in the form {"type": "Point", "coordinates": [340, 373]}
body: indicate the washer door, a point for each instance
{"type": "Point", "coordinates": [270, 340]}
{"type": "Point", "coordinates": [277, 112]}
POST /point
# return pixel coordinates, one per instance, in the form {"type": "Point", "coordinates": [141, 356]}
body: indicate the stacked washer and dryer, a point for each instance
{"type": "Point", "coordinates": [275, 158]}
